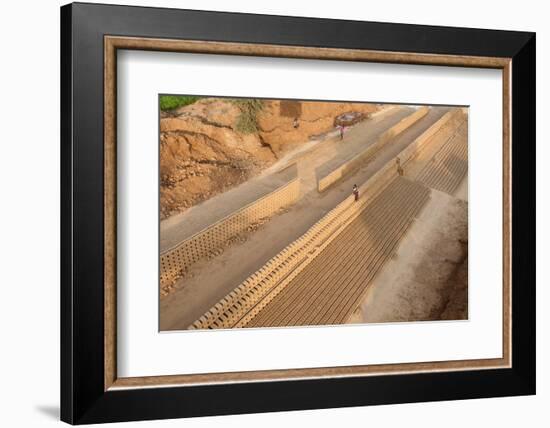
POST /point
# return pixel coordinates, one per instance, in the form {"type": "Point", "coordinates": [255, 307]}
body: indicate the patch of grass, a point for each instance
{"type": "Point", "coordinates": [247, 121]}
{"type": "Point", "coordinates": [170, 102]}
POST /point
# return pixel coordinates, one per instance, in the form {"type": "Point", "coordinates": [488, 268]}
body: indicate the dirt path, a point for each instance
{"type": "Point", "coordinates": [209, 280]}
{"type": "Point", "coordinates": [334, 151]}
{"type": "Point", "coordinates": [181, 226]}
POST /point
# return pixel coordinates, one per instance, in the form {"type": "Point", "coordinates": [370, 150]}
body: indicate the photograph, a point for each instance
{"type": "Point", "coordinates": [266, 211]}
{"type": "Point", "coordinates": [296, 213]}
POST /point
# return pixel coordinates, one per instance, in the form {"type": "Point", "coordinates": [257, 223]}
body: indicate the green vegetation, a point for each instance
{"type": "Point", "coordinates": [170, 102]}
{"type": "Point", "coordinates": [247, 122]}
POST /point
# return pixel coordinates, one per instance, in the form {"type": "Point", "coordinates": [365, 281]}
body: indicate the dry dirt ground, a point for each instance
{"type": "Point", "coordinates": [209, 280]}
{"type": "Point", "coordinates": [428, 276]}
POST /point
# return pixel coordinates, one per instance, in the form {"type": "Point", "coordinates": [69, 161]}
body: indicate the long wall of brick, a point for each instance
{"type": "Point", "coordinates": [179, 258]}
{"type": "Point", "coordinates": [389, 171]}
{"type": "Point", "coordinates": [384, 110]}
{"type": "Point", "coordinates": [358, 160]}
{"type": "Point", "coordinates": [418, 145]}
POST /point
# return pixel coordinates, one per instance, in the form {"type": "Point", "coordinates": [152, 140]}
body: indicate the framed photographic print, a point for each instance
{"type": "Point", "coordinates": [265, 213]}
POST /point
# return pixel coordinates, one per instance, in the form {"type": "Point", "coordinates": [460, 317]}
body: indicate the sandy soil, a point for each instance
{"type": "Point", "coordinates": [427, 278]}
{"type": "Point", "coordinates": [209, 280]}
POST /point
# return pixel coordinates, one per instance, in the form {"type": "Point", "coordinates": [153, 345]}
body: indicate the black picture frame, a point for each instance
{"type": "Point", "coordinates": [83, 397]}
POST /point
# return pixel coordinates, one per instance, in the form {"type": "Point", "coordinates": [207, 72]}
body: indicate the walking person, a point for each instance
{"type": "Point", "coordinates": [399, 169]}
{"type": "Point", "coordinates": [356, 192]}
{"type": "Point", "coordinates": [342, 129]}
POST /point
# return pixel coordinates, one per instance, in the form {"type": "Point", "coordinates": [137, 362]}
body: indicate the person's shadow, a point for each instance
{"type": "Point", "coordinates": [50, 411]}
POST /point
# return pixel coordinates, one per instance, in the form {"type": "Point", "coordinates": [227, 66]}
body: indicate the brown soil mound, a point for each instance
{"type": "Point", "coordinates": [202, 154]}
{"type": "Point", "coordinates": [277, 122]}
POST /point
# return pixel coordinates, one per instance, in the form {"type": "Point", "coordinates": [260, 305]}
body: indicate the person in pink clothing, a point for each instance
{"type": "Point", "coordinates": [342, 130]}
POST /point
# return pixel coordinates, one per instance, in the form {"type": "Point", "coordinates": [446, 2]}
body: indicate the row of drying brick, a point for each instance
{"type": "Point", "coordinates": [230, 310]}
{"type": "Point", "coordinates": [177, 260]}
{"type": "Point", "coordinates": [369, 153]}
{"type": "Point", "coordinates": [331, 287]}
{"type": "Point", "coordinates": [449, 166]}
